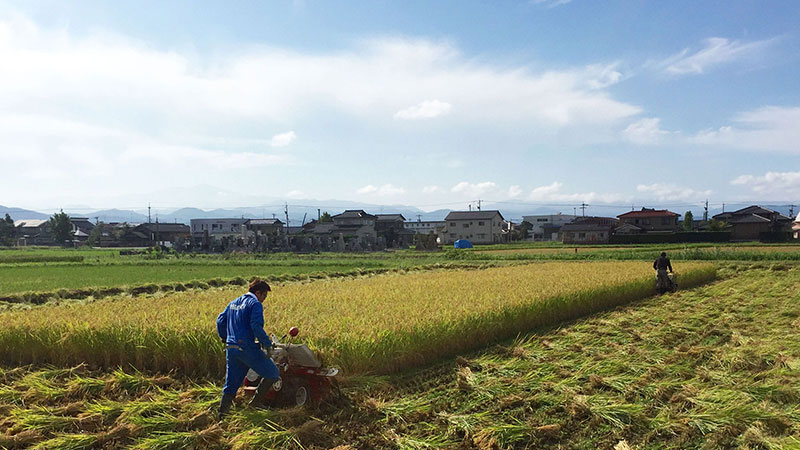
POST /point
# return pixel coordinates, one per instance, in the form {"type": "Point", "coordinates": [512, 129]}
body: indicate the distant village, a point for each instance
{"type": "Point", "coordinates": [357, 230]}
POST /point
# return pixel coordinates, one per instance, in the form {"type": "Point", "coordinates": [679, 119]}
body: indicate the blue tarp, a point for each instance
{"type": "Point", "coordinates": [462, 243]}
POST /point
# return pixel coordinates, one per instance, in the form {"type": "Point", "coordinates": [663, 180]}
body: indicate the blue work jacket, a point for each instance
{"type": "Point", "coordinates": [242, 322]}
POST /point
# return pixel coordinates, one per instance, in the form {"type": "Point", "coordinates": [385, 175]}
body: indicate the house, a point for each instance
{"type": "Point", "coordinates": [424, 226]}
{"type": "Point", "coordinates": [589, 230]}
{"type": "Point", "coordinates": [391, 227]}
{"type": "Point", "coordinates": [479, 227]}
{"type": "Point", "coordinates": [749, 223]}
{"type": "Point", "coordinates": [651, 220]}
{"type": "Point", "coordinates": [545, 227]}
{"type": "Point", "coordinates": [354, 222]}
{"type": "Point", "coordinates": [34, 232]}
{"type": "Point", "coordinates": [264, 227]}
{"type": "Point", "coordinates": [796, 227]}
{"type": "Point", "coordinates": [205, 230]}
{"type": "Point", "coordinates": [81, 228]}
{"type": "Point", "coordinates": [166, 234]}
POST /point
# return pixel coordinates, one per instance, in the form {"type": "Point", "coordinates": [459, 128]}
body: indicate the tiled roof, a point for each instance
{"type": "Point", "coordinates": [648, 213]}
{"type": "Point", "coordinates": [473, 215]}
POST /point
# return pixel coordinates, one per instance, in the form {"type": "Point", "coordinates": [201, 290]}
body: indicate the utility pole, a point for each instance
{"type": "Point", "coordinates": [479, 204]}
{"type": "Point", "coordinates": [149, 220]}
{"type": "Point", "coordinates": [583, 209]}
{"type": "Point", "coordinates": [318, 215]}
{"type": "Point", "coordinates": [791, 211]}
{"type": "Point", "coordinates": [723, 207]}
{"type": "Point", "coordinates": [470, 206]}
{"type": "Point", "coordinates": [705, 212]}
{"type": "Point", "coordinates": [286, 211]}
{"type": "Point", "coordinates": [419, 217]}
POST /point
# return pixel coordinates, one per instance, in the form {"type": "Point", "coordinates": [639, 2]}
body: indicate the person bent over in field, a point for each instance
{"type": "Point", "coordinates": [661, 264]}
{"type": "Point", "coordinates": [239, 325]}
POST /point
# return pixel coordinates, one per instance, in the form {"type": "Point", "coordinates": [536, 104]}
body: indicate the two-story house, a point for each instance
{"type": "Point", "coordinates": [479, 227]}
{"type": "Point", "coordinates": [589, 230]}
{"type": "Point", "coordinates": [391, 228]}
{"type": "Point", "coordinates": [545, 227]}
{"type": "Point", "coordinates": [651, 220]}
{"type": "Point", "coordinates": [748, 223]}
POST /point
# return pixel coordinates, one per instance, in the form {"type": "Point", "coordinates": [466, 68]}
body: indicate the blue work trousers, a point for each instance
{"type": "Point", "coordinates": [239, 360]}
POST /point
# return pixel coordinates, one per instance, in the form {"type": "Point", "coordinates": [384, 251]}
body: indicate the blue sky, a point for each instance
{"type": "Point", "coordinates": [432, 104]}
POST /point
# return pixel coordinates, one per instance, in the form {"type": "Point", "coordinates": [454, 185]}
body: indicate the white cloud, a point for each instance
{"type": "Point", "coordinates": [599, 76]}
{"type": "Point", "coordinates": [646, 131]}
{"type": "Point", "coordinates": [514, 191]}
{"type": "Point", "coordinates": [781, 185]}
{"type": "Point", "coordinates": [375, 79]}
{"type": "Point", "coordinates": [473, 189]}
{"type": "Point", "coordinates": [383, 191]}
{"type": "Point", "coordinates": [283, 139]}
{"type": "Point", "coordinates": [431, 189]}
{"type": "Point", "coordinates": [671, 192]}
{"type": "Point", "coordinates": [552, 193]}
{"type": "Point", "coordinates": [425, 110]}
{"type": "Point", "coordinates": [771, 128]}
{"type": "Point", "coordinates": [716, 52]}
{"type": "Point", "coordinates": [295, 194]}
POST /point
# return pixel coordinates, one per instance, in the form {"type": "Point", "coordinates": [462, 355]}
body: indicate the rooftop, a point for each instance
{"type": "Point", "coordinates": [473, 215]}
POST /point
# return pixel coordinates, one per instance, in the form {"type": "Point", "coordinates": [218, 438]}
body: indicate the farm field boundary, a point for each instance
{"type": "Point", "coordinates": [377, 324]}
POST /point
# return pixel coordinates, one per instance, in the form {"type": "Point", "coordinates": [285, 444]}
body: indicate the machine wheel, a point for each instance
{"type": "Point", "coordinates": [295, 392]}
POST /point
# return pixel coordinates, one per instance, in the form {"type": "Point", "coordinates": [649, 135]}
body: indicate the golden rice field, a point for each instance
{"type": "Point", "coordinates": [582, 249]}
{"type": "Point", "coordinates": [377, 324]}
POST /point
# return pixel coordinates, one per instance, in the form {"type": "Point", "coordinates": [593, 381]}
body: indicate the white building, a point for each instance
{"type": "Point", "coordinates": [424, 226]}
{"type": "Point", "coordinates": [217, 228]}
{"type": "Point", "coordinates": [545, 227]}
{"type": "Point", "coordinates": [478, 227]}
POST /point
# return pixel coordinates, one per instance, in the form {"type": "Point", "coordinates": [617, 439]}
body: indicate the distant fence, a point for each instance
{"type": "Point", "coordinates": [671, 238]}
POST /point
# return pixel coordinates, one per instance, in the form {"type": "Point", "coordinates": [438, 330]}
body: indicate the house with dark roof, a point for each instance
{"type": "Point", "coordinates": [479, 227]}
{"type": "Point", "coordinates": [157, 233]}
{"type": "Point", "coordinates": [748, 224]}
{"type": "Point", "coordinates": [264, 227]}
{"type": "Point", "coordinates": [391, 227]}
{"type": "Point", "coordinates": [589, 230]}
{"type": "Point", "coordinates": [651, 220]}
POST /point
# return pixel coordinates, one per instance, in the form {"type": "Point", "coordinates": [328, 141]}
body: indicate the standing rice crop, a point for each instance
{"type": "Point", "coordinates": [375, 324]}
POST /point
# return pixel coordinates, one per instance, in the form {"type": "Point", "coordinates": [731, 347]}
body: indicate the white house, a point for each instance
{"type": "Point", "coordinates": [546, 226]}
{"type": "Point", "coordinates": [479, 227]}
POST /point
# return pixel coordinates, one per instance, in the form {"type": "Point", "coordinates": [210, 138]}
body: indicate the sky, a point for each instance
{"type": "Point", "coordinates": [429, 104]}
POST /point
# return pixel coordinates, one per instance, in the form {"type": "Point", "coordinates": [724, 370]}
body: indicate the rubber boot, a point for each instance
{"type": "Point", "coordinates": [225, 405]}
{"type": "Point", "coordinates": [260, 397]}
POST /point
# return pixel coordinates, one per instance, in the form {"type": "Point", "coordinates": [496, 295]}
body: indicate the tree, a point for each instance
{"type": "Point", "coordinates": [96, 234]}
{"type": "Point", "coordinates": [717, 225]}
{"type": "Point", "coordinates": [7, 231]}
{"type": "Point", "coordinates": [525, 229]}
{"type": "Point", "coordinates": [688, 221]}
{"type": "Point", "coordinates": [61, 227]}
{"type": "Point", "coordinates": [325, 217]}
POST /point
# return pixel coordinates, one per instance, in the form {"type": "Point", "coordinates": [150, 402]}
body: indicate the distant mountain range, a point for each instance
{"type": "Point", "coordinates": [300, 211]}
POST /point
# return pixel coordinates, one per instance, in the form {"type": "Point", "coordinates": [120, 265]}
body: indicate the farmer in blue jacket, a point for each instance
{"type": "Point", "coordinates": [239, 325]}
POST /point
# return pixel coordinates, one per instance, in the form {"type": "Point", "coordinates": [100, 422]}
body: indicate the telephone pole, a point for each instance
{"type": "Point", "coordinates": [286, 211]}
{"type": "Point", "coordinates": [583, 209]}
{"type": "Point", "coordinates": [149, 220]}
{"type": "Point", "coordinates": [705, 212]}
{"type": "Point", "coordinates": [479, 204]}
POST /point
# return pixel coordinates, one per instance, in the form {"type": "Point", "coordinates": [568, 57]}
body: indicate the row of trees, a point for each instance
{"type": "Point", "coordinates": [59, 224]}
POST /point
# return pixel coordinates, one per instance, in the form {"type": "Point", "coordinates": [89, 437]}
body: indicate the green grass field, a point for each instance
{"type": "Point", "coordinates": [712, 367]}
